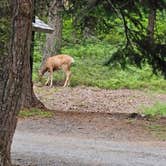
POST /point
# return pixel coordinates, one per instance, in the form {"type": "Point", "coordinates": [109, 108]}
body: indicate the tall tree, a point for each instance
{"type": "Point", "coordinates": [151, 20]}
{"type": "Point", "coordinates": [54, 40]}
{"type": "Point", "coordinates": [29, 98]}
{"type": "Point", "coordinates": [14, 52]}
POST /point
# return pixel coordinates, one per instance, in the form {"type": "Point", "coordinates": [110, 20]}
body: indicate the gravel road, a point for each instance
{"type": "Point", "coordinates": [87, 139]}
{"type": "Point", "coordinates": [46, 150]}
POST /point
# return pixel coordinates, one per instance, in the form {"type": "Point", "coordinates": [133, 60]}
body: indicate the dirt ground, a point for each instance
{"type": "Point", "coordinates": [116, 127]}
{"type": "Point", "coordinates": [104, 112]}
{"type": "Point", "coordinates": [89, 139]}
{"type": "Point", "coordinates": [91, 126]}
{"type": "Point", "coordinates": [90, 99]}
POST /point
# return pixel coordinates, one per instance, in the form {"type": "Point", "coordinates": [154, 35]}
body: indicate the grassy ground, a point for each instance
{"type": "Point", "coordinates": [89, 70]}
{"type": "Point", "coordinates": [158, 109]}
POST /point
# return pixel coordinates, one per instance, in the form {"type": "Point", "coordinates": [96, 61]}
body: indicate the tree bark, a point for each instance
{"type": "Point", "coordinates": [151, 21]}
{"type": "Point", "coordinates": [12, 60]}
{"type": "Point", "coordinates": [54, 40]}
{"type": "Point", "coordinates": [29, 98]}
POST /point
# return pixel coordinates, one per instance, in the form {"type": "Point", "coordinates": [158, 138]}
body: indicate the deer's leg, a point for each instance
{"type": "Point", "coordinates": [68, 75]}
{"type": "Point", "coordinates": [51, 78]}
{"type": "Point", "coordinates": [48, 79]}
{"type": "Point", "coordinates": [67, 72]}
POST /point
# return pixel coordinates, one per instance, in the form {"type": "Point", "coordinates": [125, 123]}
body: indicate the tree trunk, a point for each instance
{"type": "Point", "coordinates": [54, 40]}
{"type": "Point", "coordinates": [12, 62]}
{"type": "Point", "coordinates": [29, 98]}
{"type": "Point", "coordinates": [151, 21]}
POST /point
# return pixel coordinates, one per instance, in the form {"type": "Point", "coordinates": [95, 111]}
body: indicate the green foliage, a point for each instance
{"type": "Point", "coordinates": [89, 70]}
{"type": "Point", "coordinates": [108, 44]}
{"type": "Point", "coordinates": [139, 48]}
{"type": "Point", "coordinates": [68, 30]}
{"type": "Point", "coordinates": [160, 30]}
{"type": "Point", "coordinates": [38, 46]}
{"type": "Point", "coordinates": [158, 109]}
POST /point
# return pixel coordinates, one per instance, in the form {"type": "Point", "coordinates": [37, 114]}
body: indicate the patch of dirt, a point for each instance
{"type": "Point", "coordinates": [116, 127]}
{"type": "Point", "coordinates": [112, 114]}
{"type": "Point", "coordinates": [90, 99]}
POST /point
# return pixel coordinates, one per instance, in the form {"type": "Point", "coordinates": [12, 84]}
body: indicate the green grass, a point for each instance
{"type": "Point", "coordinates": [89, 70]}
{"type": "Point", "coordinates": [34, 112]}
{"type": "Point", "coordinates": [158, 109]}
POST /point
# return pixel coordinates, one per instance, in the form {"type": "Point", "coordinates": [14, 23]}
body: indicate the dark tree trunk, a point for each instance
{"type": "Point", "coordinates": [151, 21]}
{"type": "Point", "coordinates": [54, 40]}
{"type": "Point", "coordinates": [29, 98]}
{"type": "Point", "coordinates": [13, 59]}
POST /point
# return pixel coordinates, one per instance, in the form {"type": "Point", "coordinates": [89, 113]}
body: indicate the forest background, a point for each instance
{"type": "Point", "coordinates": [112, 43]}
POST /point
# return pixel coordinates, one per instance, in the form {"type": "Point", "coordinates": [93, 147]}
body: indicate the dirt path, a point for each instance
{"type": "Point", "coordinates": [87, 139]}
{"type": "Point", "coordinates": [66, 151]}
{"type": "Point", "coordinates": [91, 127]}
{"type": "Point", "coordinates": [89, 99]}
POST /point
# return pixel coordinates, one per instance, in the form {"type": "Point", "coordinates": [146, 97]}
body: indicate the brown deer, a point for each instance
{"type": "Point", "coordinates": [57, 62]}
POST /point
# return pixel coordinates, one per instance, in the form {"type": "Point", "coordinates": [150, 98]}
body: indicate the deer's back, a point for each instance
{"type": "Point", "coordinates": [58, 60]}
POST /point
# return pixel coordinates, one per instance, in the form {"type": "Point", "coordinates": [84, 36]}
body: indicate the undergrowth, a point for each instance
{"type": "Point", "coordinates": [89, 69]}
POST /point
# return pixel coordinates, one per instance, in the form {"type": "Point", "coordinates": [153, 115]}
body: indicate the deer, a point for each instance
{"type": "Point", "coordinates": [54, 63]}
